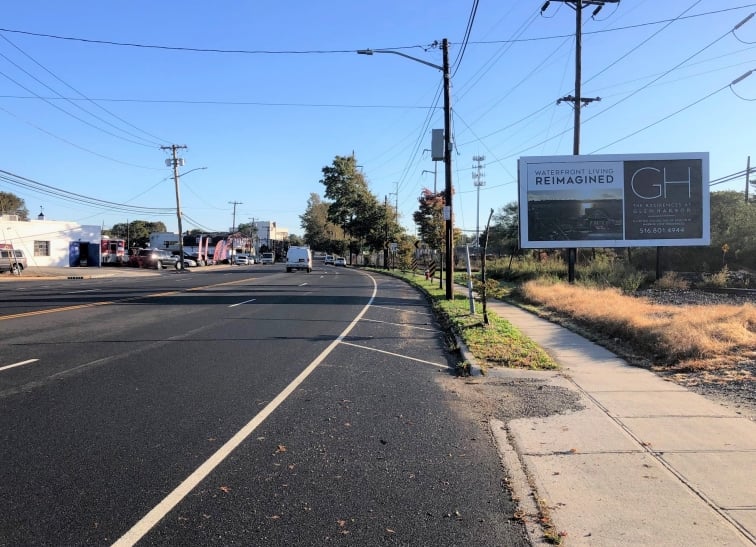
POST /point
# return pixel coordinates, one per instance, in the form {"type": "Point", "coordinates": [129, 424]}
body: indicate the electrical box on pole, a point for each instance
{"type": "Point", "coordinates": [437, 145]}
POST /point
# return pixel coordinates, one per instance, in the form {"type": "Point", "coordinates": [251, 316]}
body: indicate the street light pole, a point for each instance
{"type": "Point", "coordinates": [448, 210]}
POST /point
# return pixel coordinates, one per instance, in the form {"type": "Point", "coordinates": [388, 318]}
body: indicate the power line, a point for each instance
{"type": "Point", "coordinates": [82, 148]}
{"type": "Point", "coordinates": [36, 186]}
{"type": "Point", "coordinates": [79, 93]}
{"type": "Point", "coordinates": [334, 51]}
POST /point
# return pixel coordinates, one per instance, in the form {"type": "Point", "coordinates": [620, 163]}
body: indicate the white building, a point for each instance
{"type": "Point", "coordinates": [52, 242]}
{"type": "Point", "coordinates": [268, 232]}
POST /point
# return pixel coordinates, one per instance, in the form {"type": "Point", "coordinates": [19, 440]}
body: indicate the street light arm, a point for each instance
{"type": "Point", "coordinates": [448, 205]}
{"type": "Point", "coordinates": [190, 170]}
{"type": "Point", "coordinates": [371, 51]}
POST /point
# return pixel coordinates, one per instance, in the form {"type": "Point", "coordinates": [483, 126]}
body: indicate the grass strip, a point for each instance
{"type": "Point", "coordinates": [497, 344]}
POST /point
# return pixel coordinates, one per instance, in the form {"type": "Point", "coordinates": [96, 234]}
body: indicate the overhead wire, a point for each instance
{"type": "Point", "coordinates": [665, 73]}
{"type": "Point", "coordinates": [40, 187]}
{"type": "Point", "coordinates": [157, 142]}
{"type": "Point", "coordinates": [82, 148]}
{"type": "Point", "coordinates": [466, 38]}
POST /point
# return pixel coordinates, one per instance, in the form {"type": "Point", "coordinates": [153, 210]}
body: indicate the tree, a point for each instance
{"type": "Point", "coordinates": [503, 235]}
{"type": "Point", "coordinates": [248, 229]}
{"type": "Point", "coordinates": [136, 232]}
{"type": "Point", "coordinates": [319, 233]}
{"type": "Point", "coordinates": [354, 208]}
{"type": "Point", "coordinates": [429, 218]}
{"type": "Point", "coordinates": [11, 204]}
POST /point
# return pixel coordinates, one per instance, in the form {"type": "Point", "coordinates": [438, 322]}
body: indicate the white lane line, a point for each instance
{"type": "Point", "coordinates": [22, 363]}
{"type": "Point", "coordinates": [240, 303]}
{"type": "Point", "coordinates": [439, 365]}
{"type": "Point", "coordinates": [398, 324]}
{"type": "Point", "coordinates": [303, 284]}
{"type": "Point", "coordinates": [140, 529]}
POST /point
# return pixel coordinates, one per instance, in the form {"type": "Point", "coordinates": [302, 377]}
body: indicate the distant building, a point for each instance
{"type": "Point", "coordinates": [52, 242]}
{"type": "Point", "coordinates": [268, 233]}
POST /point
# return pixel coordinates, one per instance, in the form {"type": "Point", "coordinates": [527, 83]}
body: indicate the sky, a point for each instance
{"type": "Point", "coordinates": [263, 95]}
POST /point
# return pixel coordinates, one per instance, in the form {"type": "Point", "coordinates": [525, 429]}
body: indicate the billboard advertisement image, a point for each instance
{"type": "Point", "coordinates": [628, 200]}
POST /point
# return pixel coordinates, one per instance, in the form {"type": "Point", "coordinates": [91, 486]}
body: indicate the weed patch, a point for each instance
{"type": "Point", "coordinates": [681, 337]}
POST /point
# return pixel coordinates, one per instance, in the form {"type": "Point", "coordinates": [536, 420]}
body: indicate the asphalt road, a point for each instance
{"type": "Point", "coordinates": [244, 406]}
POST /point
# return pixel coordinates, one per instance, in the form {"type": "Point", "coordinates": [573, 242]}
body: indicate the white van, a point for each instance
{"type": "Point", "coordinates": [12, 260]}
{"type": "Point", "coordinates": [299, 258]}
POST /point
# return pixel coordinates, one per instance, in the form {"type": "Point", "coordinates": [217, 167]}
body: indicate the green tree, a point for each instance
{"type": "Point", "coordinates": [136, 232]}
{"type": "Point", "coordinates": [319, 233]}
{"type": "Point", "coordinates": [503, 237]}
{"type": "Point", "coordinates": [11, 204]}
{"type": "Point", "coordinates": [248, 229]}
{"type": "Point", "coordinates": [354, 208]}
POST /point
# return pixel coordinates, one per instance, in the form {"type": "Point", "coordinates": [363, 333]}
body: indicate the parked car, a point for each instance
{"type": "Point", "coordinates": [328, 260]}
{"type": "Point", "coordinates": [190, 261]}
{"type": "Point", "coordinates": [268, 258]}
{"type": "Point", "coordinates": [12, 260]}
{"type": "Point", "coordinates": [157, 258]}
{"type": "Point", "coordinates": [241, 260]}
{"type": "Point", "coordinates": [299, 258]}
{"type": "Point", "coordinates": [339, 261]}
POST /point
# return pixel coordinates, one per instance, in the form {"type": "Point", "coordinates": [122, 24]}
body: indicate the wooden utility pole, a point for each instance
{"type": "Point", "coordinates": [748, 178]}
{"type": "Point", "coordinates": [174, 162]}
{"type": "Point", "coordinates": [233, 218]}
{"type": "Point", "coordinates": [578, 100]}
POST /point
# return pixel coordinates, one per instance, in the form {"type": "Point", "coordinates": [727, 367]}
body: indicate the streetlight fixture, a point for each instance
{"type": "Point", "coordinates": [449, 239]}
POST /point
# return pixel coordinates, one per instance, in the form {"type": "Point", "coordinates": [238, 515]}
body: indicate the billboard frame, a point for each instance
{"type": "Point", "coordinates": [614, 200]}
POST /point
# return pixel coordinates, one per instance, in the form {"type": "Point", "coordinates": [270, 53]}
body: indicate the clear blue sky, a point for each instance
{"type": "Point", "coordinates": [89, 117]}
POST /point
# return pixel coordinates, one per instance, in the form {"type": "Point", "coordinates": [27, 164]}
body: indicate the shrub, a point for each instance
{"type": "Point", "coordinates": [718, 279]}
{"type": "Point", "coordinates": [672, 280]}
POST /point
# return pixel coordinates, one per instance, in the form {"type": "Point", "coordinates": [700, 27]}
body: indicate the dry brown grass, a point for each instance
{"type": "Point", "coordinates": [683, 337]}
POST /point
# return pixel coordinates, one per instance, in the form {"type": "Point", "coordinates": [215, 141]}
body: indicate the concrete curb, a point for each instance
{"type": "Point", "coordinates": [468, 357]}
{"type": "Point", "coordinates": [523, 493]}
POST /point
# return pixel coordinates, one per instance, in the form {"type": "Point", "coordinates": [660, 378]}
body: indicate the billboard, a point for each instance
{"type": "Point", "coordinates": [623, 200]}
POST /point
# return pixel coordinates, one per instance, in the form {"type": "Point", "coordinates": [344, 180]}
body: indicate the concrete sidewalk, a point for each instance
{"type": "Point", "coordinates": [647, 462]}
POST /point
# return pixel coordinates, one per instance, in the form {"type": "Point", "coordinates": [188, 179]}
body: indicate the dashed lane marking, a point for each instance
{"type": "Point", "coordinates": [109, 302]}
{"type": "Point", "coordinates": [141, 528]}
{"type": "Point", "coordinates": [439, 365]}
{"type": "Point", "coordinates": [19, 364]}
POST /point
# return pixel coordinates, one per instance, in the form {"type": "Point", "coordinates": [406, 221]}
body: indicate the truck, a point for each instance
{"type": "Point", "coordinates": [299, 258]}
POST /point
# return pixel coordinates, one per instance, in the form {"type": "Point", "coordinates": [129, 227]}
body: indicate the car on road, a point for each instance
{"type": "Point", "coordinates": [299, 258]}
{"type": "Point", "coordinates": [328, 260]}
{"type": "Point", "coordinates": [268, 258]}
{"type": "Point", "coordinates": [339, 261]}
{"type": "Point", "coordinates": [240, 260]}
{"type": "Point", "coordinates": [156, 258]}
